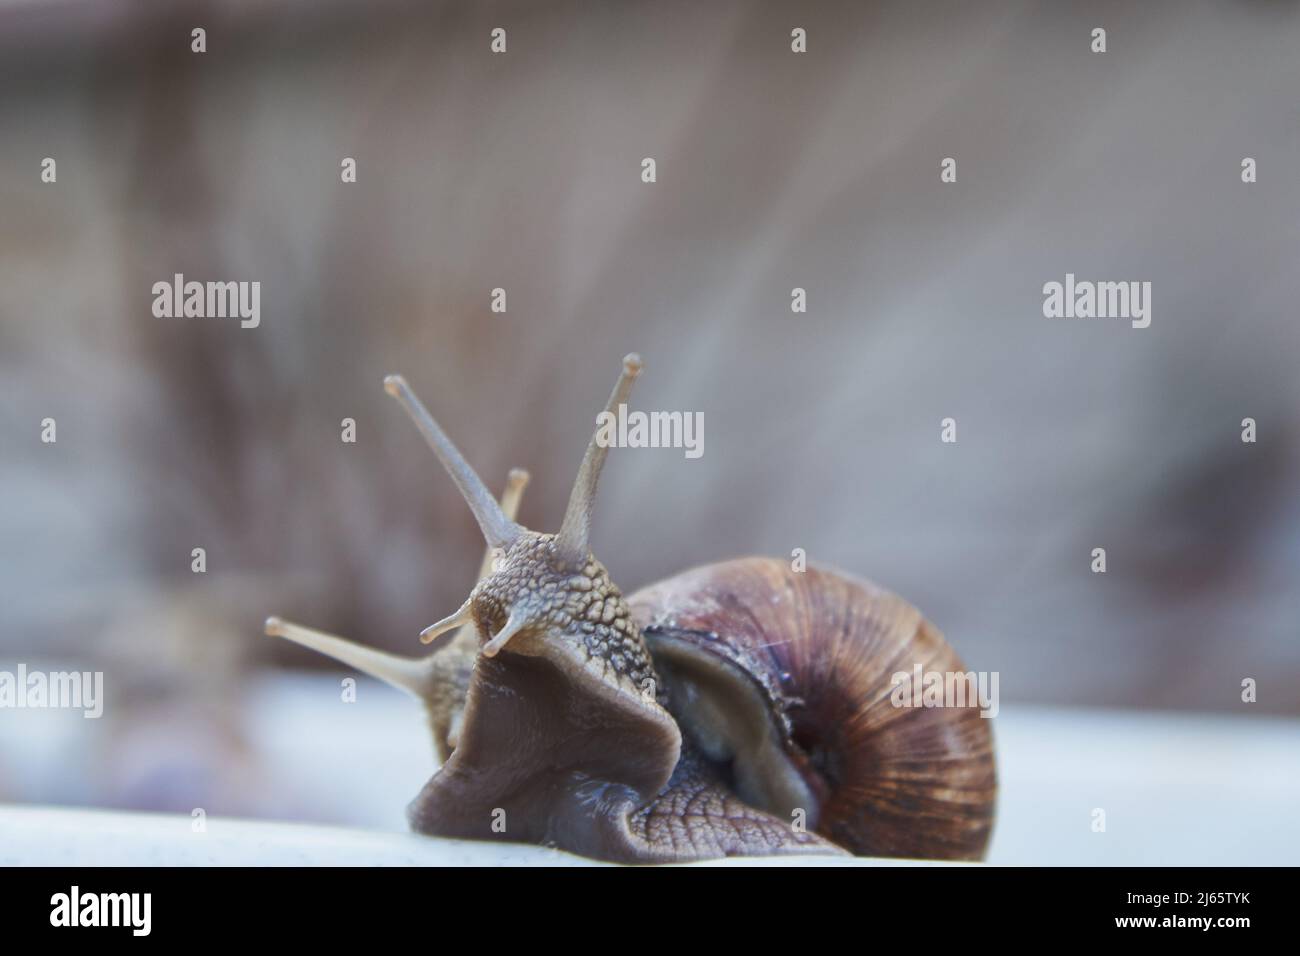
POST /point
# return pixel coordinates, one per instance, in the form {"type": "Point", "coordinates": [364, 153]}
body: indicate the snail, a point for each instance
{"type": "Point", "coordinates": [739, 708]}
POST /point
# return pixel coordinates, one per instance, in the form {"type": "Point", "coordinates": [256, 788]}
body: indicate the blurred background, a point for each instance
{"type": "Point", "coordinates": [522, 171]}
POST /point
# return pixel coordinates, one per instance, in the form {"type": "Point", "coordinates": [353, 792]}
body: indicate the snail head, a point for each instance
{"type": "Point", "coordinates": [540, 587]}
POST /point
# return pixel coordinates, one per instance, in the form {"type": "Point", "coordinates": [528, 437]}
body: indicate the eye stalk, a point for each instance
{"type": "Point", "coordinates": [498, 530]}
{"type": "Point", "coordinates": [576, 529]}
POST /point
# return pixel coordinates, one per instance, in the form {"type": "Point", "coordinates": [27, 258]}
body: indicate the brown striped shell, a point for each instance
{"type": "Point", "coordinates": [784, 679]}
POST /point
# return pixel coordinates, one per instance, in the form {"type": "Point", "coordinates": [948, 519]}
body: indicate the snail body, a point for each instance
{"type": "Point", "coordinates": [739, 708]}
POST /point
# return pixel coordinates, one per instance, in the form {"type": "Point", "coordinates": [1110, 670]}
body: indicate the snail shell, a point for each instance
{"type": "Point", "coordinates": [786, 676]}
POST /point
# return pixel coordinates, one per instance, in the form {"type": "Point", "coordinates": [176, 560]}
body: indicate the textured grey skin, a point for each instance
{"type": "Point", "coordinates": [581, 606]}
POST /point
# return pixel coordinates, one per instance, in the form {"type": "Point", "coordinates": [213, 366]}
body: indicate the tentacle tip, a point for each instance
{"type": "Point", "coordinates": [393, 384]}
{"type": "Point", "coordinates": [632, 364]}
{"type": "Point", "coordinates": [274, 627]}
{"type": "Point", "coordinates": [439, 637]}
{"type": "Point", "coordinates": [518, 477]}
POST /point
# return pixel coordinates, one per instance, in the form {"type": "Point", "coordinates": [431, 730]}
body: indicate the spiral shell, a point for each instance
{"type": "Point", "coordinates": [786, 678]}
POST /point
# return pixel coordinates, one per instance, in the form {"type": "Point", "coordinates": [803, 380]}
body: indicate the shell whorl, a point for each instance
{"type": "Point", "coordinates": [821, 649]}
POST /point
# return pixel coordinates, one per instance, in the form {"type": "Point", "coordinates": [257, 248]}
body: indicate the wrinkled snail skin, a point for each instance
{"type": "Point", "coordinates": [740, 708]}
